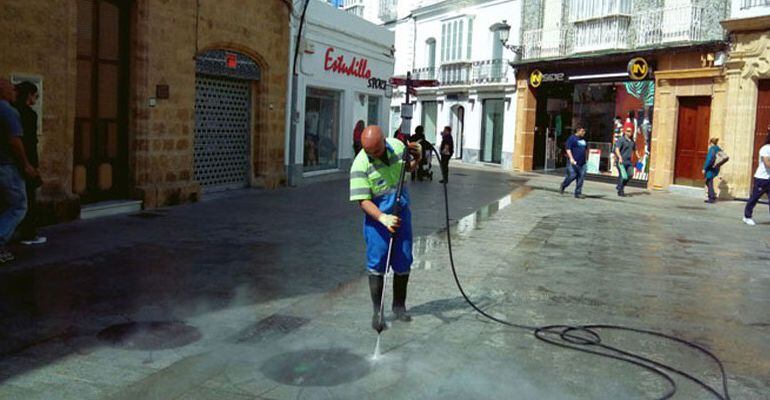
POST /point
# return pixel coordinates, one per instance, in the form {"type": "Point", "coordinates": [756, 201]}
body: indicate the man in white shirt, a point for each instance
{"type": "Point", "coordinates": [761, 181]}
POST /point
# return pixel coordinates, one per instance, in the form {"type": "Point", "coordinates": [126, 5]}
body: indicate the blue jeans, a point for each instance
{"type": "Point", "coordinates": [575, 172]}
{"type": "Point", "coordinates": [13, 194]}
{"type": "Point", "coordinates": [761, 186]}
{"type": "Point", "coordinates": [629, 174]}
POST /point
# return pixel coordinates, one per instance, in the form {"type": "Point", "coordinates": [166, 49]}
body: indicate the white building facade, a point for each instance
{"type": "Point", "coordinates": [344, 64]}
{"type": "Point", "coordinates": [456, 42]}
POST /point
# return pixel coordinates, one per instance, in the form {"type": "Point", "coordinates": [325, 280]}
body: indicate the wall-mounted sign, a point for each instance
{"type": "Point", "coordinates": [536, 78]}
{"type": "Point", "coordinates": [354, 67]}
{"type": "Point", "coordinates": [638, 69]}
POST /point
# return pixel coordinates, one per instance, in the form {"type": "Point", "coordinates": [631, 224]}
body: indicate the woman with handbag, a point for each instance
{"type": "Point", "coordinates": [714, 160]}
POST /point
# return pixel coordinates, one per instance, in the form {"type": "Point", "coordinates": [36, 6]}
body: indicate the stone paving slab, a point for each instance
{"type": "Point", "coordinates": [653, 260]}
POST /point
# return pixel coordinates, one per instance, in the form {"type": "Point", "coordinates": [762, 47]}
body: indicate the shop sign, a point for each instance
{"type": "Point", "coordinates": [638, 69]}
{"type": "Point", "coordinates": [355, 67]}
{"type": "Point", "coordinates": [594, 156]}
{"type": "Point", "coordinates": [536, 78]}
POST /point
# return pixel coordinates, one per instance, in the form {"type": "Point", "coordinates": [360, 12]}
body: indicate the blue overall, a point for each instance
{"type": "Point", "coordinates": [377, 237]}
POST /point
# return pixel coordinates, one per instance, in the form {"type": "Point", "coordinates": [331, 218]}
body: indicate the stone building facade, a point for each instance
{"type": "Point", "coordinates": [126, 86]}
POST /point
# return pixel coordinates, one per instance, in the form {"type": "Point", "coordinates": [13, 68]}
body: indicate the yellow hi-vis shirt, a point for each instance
{"type": "Point", "coordinates": [372, 179]}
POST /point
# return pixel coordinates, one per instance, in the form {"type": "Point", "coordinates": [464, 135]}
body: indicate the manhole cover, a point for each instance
{"type": "Point", "coordinates": [150, 335]}
{"type": "Point", "coordinates": [330, 367]}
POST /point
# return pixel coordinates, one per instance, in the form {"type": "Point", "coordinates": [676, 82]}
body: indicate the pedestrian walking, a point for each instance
{"type": "Point", "coordinates": [576, 148]}
{"type": "Point", "coordinates": [13, 162]}
{"type": "Point", "coordinates": [26, 97]}
{"type": "Point", "coordinates": [711, 169]}
{"type": "Point", "coordinates": [447, 150]}
{"type": "Point", "coordinates": [357, 131]}
{"type": "Point", "coordinates": [624, 149]}
{"type": "Point", "coordinates": [761, 181]}
{"type": "Point", "coordinates": [374, 178]}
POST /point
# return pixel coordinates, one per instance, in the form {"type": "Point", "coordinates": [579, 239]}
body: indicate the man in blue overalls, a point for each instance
{"type": "Point", "coordinates": [374, 178]}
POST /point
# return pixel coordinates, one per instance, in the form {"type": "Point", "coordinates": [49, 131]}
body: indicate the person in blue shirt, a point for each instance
{"type": "Point", "coordinates": [710, 170]}
{"type": "Point", "coordinates": [577, 148]}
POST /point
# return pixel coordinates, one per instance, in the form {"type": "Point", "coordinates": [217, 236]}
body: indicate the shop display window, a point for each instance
{"type": "Point", "coordinates": [322, 130]}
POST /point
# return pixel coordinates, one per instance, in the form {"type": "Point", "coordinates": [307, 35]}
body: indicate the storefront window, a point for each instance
{"type": "Point", "coordinates": [373, 113]}
{"type": "Point", "coordinates": [605, 110]}
{"type": "Point", "coordinates": [322, 110]}
{"type": "Point", "coordinates": [492, 131]}
{"type": "Point", "coordinates": [429, 117]}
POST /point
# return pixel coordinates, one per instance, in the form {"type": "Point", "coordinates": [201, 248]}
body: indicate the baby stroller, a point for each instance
{"type": "Point", "coordinates": [424, 168]}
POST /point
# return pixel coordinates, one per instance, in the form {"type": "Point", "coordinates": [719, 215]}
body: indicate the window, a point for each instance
{"type": "Point", "coordinates": [373, 111]}
{"type": "Point", "coordinates": [456, 39]}
{"type": "Point", "coordinates": [430, 52]}
{"type": "Point", "coordinates": [322, 127]}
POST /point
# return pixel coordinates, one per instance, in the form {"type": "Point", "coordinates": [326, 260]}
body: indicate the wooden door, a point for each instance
{"type": "Point", "coordinates": [763, 121]}
{"type": "Point", "coordinates": [100, 149]}
{"type": "Point", "coordinates": [692, 140]}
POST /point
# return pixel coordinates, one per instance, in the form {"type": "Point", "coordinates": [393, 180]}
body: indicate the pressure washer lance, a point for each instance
{"type": "Point", "coordinates": [396, 211]}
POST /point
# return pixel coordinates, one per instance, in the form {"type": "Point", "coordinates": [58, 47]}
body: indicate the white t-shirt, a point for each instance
{"type": "Point", "coordinates": [762, 171]}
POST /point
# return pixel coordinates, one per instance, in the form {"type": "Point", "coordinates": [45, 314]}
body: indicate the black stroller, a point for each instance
{"type": "Point", "coordinates": [424, 169]}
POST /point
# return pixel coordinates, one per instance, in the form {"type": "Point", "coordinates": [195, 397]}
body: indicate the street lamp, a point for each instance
{"type": "Point", "coordinates": [505, 32]}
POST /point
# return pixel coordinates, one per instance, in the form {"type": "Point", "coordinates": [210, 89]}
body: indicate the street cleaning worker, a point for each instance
{"type": "Point", "coordinates": [374, 178]}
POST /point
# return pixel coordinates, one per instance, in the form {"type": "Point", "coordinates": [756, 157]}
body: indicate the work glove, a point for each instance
{"type": "Point", "coordinates": [415, 150]}
{"type": "Point", "coordinates": [390, 221]}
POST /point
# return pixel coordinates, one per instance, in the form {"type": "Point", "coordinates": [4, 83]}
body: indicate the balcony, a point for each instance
{"type": "Point", "coordinates": [606, 33]}
{"type": "Point", "coordinates": [455, 73]}
{"type": "Point", "coordinates": [490, 71]}
{"type": "Point", "coordinates": [425, 73]}
{"type": "Point", "coordinates": [545, 43]}
{"type": "Point", "coordinates": [672, 24]}
{"type": "Point", "coordinates": [388, 10]}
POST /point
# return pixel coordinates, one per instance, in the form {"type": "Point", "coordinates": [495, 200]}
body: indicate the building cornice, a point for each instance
{"type": "Point", "coordinates": [747, 24]}
{"type": "Point", "coordinates": [693, 73]}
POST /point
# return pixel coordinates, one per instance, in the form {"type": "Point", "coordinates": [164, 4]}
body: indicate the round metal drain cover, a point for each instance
{"type": "Point", "coordinates": [150, 335]}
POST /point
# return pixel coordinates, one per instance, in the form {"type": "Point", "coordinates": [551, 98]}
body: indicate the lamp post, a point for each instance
{"type": "Point", "coordinates": [505, 34]}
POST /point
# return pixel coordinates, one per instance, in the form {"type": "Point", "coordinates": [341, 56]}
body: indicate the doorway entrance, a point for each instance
{"type": "Point", "coordinates": [458, 125]}
{"type": "Point", "coordinates": [763, 121]}
{"type": "Point", "coordinates": [100, 151]}
{"type": "Point", "coordinates": [692, 140]}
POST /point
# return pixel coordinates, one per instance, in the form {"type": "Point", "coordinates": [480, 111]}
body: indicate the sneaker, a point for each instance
{"type": "Point", "coordinates": [749, 221]}
{"type": "Point", "coordinates": [36, 240]}
{"type": "Point", "coordinates": [579, 196]}
{"type": "Point", "coordinates": [6, 256]}
{"type": "Point", "coordinates": [561, 189]}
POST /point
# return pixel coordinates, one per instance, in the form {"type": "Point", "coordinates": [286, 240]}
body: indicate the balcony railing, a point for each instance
{"type": "Point", "coordinates": [673, 24]}
{"type": "Point", "coordinates": [425, 73]}
{"type": "Point", "coordinates": [747, 4]}
{"type": "Point", "coordinates": [388, 10]}
{"type": "Point", "coordinates": [581, 10]}
{"type": "Point", "coordinates": [490, 71]}
{"type": "Point", "coordinates": [601, 34]}
{"type": "Point", "coordinates": [457, 73]}
{"type": "Point", "coordinates": [544, 43]}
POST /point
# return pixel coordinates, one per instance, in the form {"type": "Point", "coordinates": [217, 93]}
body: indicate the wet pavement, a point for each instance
{"type": "Point", "coordinates": [262, 295]}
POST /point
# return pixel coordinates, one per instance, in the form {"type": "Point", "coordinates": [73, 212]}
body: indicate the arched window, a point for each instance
{"type": "Point", "coordinates": [430, 53]}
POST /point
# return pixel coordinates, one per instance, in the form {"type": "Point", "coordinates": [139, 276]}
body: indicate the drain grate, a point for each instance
{"type": "Point", "coordinates": [273, 325]}
{"type": "Point", "coordinates": [147, 215]}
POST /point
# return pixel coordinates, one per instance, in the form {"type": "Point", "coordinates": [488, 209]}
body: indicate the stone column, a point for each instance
{"type": "Point", "coordinates": [526, 107]}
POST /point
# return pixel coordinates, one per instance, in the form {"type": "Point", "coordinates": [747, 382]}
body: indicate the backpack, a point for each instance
{"type": "Point", "coordinates": [720, 159]}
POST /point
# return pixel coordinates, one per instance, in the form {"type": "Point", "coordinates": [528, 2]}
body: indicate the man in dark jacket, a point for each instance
{"type": "Point", "coordinates": [447, 150]}
{"type": "Point", "coordinates": [26, 97]}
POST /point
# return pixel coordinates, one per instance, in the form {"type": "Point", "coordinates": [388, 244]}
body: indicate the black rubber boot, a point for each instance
{"type": "Point", "coordinates": [375, 289]}
{"type": "Point", "coordinates": [399, 297]}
